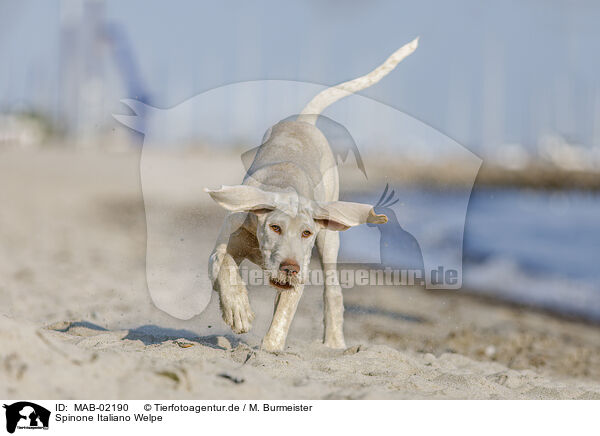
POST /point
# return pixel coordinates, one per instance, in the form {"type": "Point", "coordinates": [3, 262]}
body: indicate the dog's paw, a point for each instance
{"type": "Point", "coordinates": [272, 346]}
{"type": "Point", "coordinates": [336, 343]}
{"type": "Point", "coordinates": [236, 310]}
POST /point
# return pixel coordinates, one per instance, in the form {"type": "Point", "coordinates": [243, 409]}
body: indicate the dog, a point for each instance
{"type": "Point", "coordinates": [287, 203]}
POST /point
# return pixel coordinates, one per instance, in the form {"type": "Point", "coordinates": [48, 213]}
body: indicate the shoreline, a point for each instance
{"type": "Point", "coordinates": [541, 176]}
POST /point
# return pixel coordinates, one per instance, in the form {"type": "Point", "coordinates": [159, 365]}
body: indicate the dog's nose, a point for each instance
{"type": "Point", "coordinates": [289, 266]}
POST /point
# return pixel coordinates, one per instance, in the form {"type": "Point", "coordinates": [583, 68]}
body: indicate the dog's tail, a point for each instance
{"type": "Point", "coordinates": [331, 95]}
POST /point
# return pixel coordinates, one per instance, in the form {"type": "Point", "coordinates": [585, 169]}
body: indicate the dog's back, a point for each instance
{"type": "Point", "coordinates": [296, 155]}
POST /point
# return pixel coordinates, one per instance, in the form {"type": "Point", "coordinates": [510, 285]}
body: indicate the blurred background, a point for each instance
{"type": "Point", "coordinates": [510, 80]}
{"type": "Point", "coordinates": [515, 82]}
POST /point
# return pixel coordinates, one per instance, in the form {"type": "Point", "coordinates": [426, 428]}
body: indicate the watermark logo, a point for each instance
{"type": "Point", "coordinates": [375, 148]}
{"type": "Point", "coordinates": [348, 278]}
{"type": "Point", "coordinates": [25, 415]}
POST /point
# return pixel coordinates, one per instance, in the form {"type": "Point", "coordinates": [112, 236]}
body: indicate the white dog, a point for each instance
{"type": "Point", "coordinates": [287, 202]}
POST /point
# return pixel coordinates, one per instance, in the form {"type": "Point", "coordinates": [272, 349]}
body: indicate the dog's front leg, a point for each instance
{"type": "Point", "coordinates": [286, 304]}
{"type": "Point", "coordinates": [224, 272]}
{"type": "Point", "coordinates": [233, 297]}
{"type": "Point", "coordinates": [328, 244]}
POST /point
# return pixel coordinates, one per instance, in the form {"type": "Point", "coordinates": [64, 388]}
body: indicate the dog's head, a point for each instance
{"type": "Point", "coordinates": [287, 226]}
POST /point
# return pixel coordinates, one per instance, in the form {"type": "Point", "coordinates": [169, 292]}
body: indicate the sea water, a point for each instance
{"type": "Point", "coordinates": [541, 248]}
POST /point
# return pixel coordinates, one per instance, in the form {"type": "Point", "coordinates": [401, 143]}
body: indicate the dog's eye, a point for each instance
{"type": "Point", "coordinates": [276, 228]}
{"type": "Point", "coordinates": [306, 234]}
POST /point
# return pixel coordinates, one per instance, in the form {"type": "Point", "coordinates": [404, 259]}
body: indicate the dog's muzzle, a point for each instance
{"type": "Point", "coordinates": [288, 275]}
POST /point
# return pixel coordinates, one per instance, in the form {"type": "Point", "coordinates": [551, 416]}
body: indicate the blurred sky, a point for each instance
{"type": "Point", "coordinates": [486, 73]}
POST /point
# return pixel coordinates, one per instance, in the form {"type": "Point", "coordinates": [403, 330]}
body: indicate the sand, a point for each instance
{"type": "Point", "coordinates": [76, 320]}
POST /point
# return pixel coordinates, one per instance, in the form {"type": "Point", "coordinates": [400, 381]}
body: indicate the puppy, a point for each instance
{"type": "Point", "coordinates": [287, 203]}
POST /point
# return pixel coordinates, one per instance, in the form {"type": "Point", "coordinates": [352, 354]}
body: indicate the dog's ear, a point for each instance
{"type": "Point", "coordinates": [243, 198]}
{"type": "Point", "coordinates": [341, 215]}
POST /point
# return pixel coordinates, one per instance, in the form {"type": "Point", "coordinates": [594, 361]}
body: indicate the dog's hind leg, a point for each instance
{"type": "Point", "coordinates": [328, 244]}
{"type": "Point", "coordinates": [286, 304]}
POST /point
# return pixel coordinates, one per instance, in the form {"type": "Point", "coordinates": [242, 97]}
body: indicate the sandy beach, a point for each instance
{"type": "Point", "coordinates": [76, 319]}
